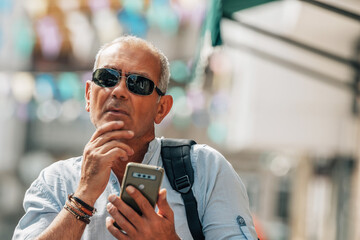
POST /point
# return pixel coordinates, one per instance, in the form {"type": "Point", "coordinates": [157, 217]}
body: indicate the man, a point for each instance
{"type": "Point", "coordinates": [125, 98]}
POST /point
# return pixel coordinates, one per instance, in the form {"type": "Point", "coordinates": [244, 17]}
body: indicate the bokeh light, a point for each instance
{"type": "Point", "coordinates": [82, 35]}
{"type": "Point", "coordinates": [182, 113]}
{"type": "Point", "coordinates": [163, 17]}
{"type": "Point", "coordinates": [98, 5]}
{"type": "Point", "coordinates": [6, 6]}
{"type": "Point", "coordinates": [179, 71]}
{"type": "Point", "coordinates": [280, 166]}
{"type": "Point", "coordinates": [133, 23]}
{"type": "Point", "coordinates": [196, 98]}
{"type": "Point", "coordinates": [36, 8]}
{"type": "Point", "coordinates": [71, 110]}
{"type": "Point", "coordinates": [176, 92]}
{"type": "Point", "coordinates": [217, 132]}
{"type": "Point", "coordinates": [48, 110]}
{"type": "Point", "coordinates": [220, 63]}
{"type": "Point", "coordinates": [50, 37]}
{"type": "Point", "coordinates": [201, 118]}
{"type": "Point", "coordinates": [68, 5]}
{"type": "Point", "coordinates": [219, 104]}
{"type": "Point", "coordinates": [190, 11]}
{"type": "Point", "coordinates": [181, 110]}
{"type": "Point", "coordinates": [109, 31]}
{"type": "Point", "coordinates": [68, 85]}
{"type": "Point", "coordinates": [24, 37]}
{"type": "Point", "coordinates": [22, 112]}
{"type": "Point", "coordinates": [135, 6]}
{"type": "Point", "coordinates": [22, 85]}
{"type": "Point", "coordinates": [45, 87]}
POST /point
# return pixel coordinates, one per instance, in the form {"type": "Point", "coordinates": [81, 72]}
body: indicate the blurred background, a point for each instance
{"type": "Point", "coordinates": [273, 85]}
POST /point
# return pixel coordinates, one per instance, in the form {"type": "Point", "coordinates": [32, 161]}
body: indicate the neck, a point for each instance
{"type": "Point", "coordinates": [140, 149]}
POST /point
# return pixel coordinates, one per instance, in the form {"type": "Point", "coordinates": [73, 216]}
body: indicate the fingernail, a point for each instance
{"type": "Point", "coordinates": [108, 206]}
{"type": "Point", "coordinates": [164, 195]}
{"type": "Point", "coordinates": [131, 152]}
{"type": "Point", "coordinates": [112, 198]}
{"type": "Point", "coordinates": [108, 219]}
{"type": "Point", "coordinates": [130, 189]}
{"type": "Point", "coordinates": [131, 132]}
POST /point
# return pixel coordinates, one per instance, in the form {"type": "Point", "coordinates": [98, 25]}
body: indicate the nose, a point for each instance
{"type": "Point", "coordinates": [120, 90]}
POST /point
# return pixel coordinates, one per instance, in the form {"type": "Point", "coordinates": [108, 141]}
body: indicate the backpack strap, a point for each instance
{"type": "Point", "coordinates": [175, 155]}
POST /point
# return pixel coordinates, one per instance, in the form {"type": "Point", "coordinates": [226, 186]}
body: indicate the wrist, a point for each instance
{"type": "Point", "coordinates": [85, 197]}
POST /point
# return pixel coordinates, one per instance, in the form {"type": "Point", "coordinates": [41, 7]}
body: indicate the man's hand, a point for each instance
{"type": "Point", "coordinates": [104, 148]}
{"type": "Point", "coordinates": [150, 225]}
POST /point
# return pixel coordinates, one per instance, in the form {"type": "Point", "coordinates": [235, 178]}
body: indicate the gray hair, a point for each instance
{"type": "Point", "coordinates": [164, 62]}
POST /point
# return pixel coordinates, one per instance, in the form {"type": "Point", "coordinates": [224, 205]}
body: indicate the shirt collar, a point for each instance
{"type": "Point", "coordinates": [152, 155]}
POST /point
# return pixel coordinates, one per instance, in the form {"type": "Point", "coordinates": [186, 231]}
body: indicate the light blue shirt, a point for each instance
{"type": "Point", "coordinates": [223, 204]}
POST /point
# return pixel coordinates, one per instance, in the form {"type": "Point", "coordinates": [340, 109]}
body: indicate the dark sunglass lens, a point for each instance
{"type": "Point", "coordinates": [139, 85]}
{"type": "Point", "coordinates": [106, 77]}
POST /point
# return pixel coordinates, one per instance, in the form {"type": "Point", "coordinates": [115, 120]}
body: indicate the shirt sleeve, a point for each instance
{"type": "Point", "coordinates": [42, 203]}
{"type": "Point", "coordinates": [222, 197]}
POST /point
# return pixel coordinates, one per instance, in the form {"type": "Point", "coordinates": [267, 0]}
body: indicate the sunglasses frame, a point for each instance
{"type": "Point", "coordinates": [119, 76]}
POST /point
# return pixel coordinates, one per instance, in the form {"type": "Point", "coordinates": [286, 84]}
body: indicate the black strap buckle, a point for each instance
{"type": "Point", "coordinates": [183, 184]}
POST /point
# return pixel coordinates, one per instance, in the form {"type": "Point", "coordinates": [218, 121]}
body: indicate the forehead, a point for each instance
{"type": "Point", "coordinates": [130, 57]}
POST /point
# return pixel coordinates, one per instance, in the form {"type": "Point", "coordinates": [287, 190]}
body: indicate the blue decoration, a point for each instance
{"type": "Point", "coordinates": [24, 38]}
{"type": "Point", "coordinates": [45, 87]}
{"type": "Point", "coordinates": [134, 23]}
{"type": "Point", "coordinates": [6, 5]}
{"type": "Point", "coordinates": [69, 86]}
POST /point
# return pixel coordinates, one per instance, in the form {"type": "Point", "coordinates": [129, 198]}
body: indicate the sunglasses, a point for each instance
{"type": "Point", "coordinates": [137, 84]}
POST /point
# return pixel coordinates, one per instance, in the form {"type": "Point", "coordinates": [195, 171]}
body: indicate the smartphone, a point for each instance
{"type": "Point", "coordinates": [146, 178]}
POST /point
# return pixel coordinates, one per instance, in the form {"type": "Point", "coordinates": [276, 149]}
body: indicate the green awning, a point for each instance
{"type": "Point", "coordinates": [216, 10]}
{"type": "Point", "coordinates": [225, 8]}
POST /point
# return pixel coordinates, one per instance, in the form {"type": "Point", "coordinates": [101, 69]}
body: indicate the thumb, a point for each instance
{"type": "Point", "coordinates": [163, 206]}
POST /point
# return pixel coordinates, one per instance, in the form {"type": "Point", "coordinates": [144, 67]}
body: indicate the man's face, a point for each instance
{"type": "Point", "coordinates": [119, 104]}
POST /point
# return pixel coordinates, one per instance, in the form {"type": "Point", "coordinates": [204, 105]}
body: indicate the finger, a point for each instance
{"type": "Point", "coordinates": [121, 221]}
{"type": "Point", "coordinates": [103, 158]}
{"type": "Point", "coordinates": [115, 154]}
{"type": "Point", "coordinates": [114, 135]}
{"type": "Point", "coordinates": [107, 127]}
{"type": "Point", "coordinates": [141, 201]}
{"type": "Point", "coordinates": [123, 148]}
{"type": "Point", "coordinates": [163, 206]}
{"type": "Point", "coordinates": [126, 211]}
{"type": "Point", "coordinates": [113, 230]}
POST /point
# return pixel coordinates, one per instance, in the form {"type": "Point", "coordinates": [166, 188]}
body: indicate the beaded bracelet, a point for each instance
{"type": "Point", "coordinates": [77, 216]}
{"type": "Point", "coordinates": [79, 208]}
{"type": "Point", "coordinates": [72, 199]}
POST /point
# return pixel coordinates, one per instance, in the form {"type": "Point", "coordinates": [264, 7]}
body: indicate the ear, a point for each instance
{"type": "Point", "coordinates": [87, 95]}
{"type": "Point", "coordinates": [164, 107]}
